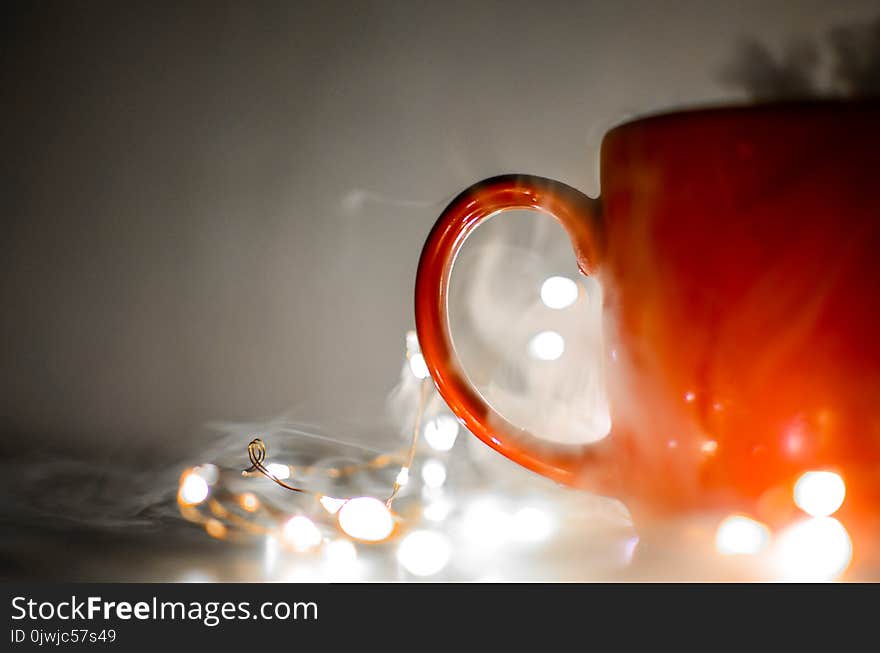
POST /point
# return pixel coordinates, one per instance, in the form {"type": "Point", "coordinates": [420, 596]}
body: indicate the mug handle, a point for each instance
{"type": "Point", "coordinates": [580, 216]}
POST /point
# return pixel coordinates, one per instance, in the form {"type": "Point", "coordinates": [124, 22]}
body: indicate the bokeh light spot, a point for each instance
{"type": "Point", "coordinates": [424, 553]}
{"type": "Point", "coordinates": [559, 292]}
{"type": "Point", "coordinates": [547, 346]}
{"type": "Point", "coordinates": [819, 494]}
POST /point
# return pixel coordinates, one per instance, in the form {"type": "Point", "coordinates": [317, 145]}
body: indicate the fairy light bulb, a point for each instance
{"type": "Point", "coordinates": [331, 504]}
{"type": "Point", "coordinates": [193, 489]}
{"type": "Point", "coordinates": [249, 502]}
{"type": "Point", "coordinates": [301, 533]}
{"type": "Point", "coordinates": [740, 535]}
{"type": "Point", "coordinates": [365, 518]}
{"type": "Point", "coordinates": [402, 476]}
{"type": "Point", "coordinates": [819, 494]}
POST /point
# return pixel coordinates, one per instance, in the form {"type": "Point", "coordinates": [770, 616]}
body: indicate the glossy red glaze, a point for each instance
{"type": "Point", "coordinates": [739, 254]}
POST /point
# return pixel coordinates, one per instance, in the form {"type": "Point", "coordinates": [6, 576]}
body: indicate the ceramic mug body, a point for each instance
{"type": "Point", "coordinates": [739, 254]}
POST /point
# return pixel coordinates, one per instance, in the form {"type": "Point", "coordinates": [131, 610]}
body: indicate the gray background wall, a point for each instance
{"type": "Point", "coordinates": [215, 211]}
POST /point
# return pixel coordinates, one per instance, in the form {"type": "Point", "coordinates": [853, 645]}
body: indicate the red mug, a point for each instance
{"type": "Point", "coordinates": [738, 250]}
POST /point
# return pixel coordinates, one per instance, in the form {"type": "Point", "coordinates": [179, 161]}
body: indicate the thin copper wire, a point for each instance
{"type": "Point", "coordinates": [257, 452]}
{"type": "Point", "coordinates": [380, 461]}
{"type": "Point", "coordinates": [415, 439]}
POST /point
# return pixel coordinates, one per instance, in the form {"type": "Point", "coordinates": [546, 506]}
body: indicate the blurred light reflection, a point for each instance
{"type": "Point", "coordinates": [437, 510]}
{"type": "Point", "coordinates": [740, 535]}
{"type": "Point", "coordinates": [366, 518]}
{"type": "Point", "coordinates": [559, 292]}
{"type": "Point", "coordinates": [817, 549]}
{"type": "Point", "coordinates": [486, 525]}
{"type": "Point", "coordinates": [249, 502]}
{"type": "Point", "coordinates": [340, 554]}
{"type": "Point", "coordinates": [441, 432]}
{"type": "Point", "coordinates": [532, 524]}
{"type": "Point", "coordinates": [278, 470]}
{"type": "Point", "coordinates": [301, 534]}
{"type": "Point", "coordinates": [193, 490]}
{"type": "Point", "coordinates": [424, 553]}
{"type": "Point", "coordinates": [434, 473]}
{"type": "Point", "coordinates": [819, 494]}
{"type": "Point", "coordinates": [418, 366]}
{"type": "Point", "coordinates": [547, 346]}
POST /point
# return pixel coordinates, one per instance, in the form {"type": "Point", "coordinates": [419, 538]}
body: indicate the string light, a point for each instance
{"type": "Point", "coordinates": [249, 502]}
{"type": "Point", "coordinates": [331, 504]}
{"type": "Point", "coordinates": [332, 529]}
{"type": "Point", "coordinates": [193, 489]}
{"type": "Point", "coordinates": [365, 518]}
{"type": "Point", "coordinates": [814, 549]}
{"type": "Point", "coordinates": [278, 470]}
{"type": "Point", "coordinates": [417, 425]}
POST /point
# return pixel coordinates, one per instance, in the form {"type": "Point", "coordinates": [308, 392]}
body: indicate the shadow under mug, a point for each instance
{"type": "Point", "coordinates": [738, 250]}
